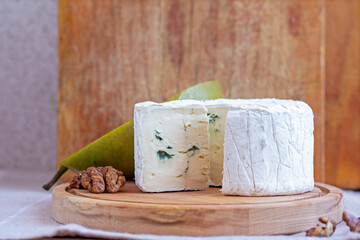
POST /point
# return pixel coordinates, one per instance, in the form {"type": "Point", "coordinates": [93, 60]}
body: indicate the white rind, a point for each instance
{"type": "Point", "coordinates": [268, 148]}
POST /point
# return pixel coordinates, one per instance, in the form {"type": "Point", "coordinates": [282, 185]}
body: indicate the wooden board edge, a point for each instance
{"type": "Point", "coordinates": [162, 219]}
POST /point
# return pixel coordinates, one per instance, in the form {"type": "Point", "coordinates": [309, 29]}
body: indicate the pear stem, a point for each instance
{"type": "Point", "coordinates": [56, 177]}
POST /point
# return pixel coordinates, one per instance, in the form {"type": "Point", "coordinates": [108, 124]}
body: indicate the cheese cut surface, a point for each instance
{"type": "Point", "coordinates": [268, 148]}
{"type": "Point", "coordinates": [171, 146]}
{"type": "Point", "coordinates": [217, 111]}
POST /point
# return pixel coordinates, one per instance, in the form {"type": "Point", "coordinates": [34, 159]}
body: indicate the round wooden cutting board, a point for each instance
{"type": "Point", "coordinates": [196, 213]}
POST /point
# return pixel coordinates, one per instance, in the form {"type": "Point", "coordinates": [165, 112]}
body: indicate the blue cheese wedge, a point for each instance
{"type": "Point", "coordinates": [171, 146]}
{"type": "Point", "coordinates": [268, 148]}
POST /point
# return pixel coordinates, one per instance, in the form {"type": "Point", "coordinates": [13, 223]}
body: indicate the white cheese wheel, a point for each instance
{"type": "Point", "coordinates": [268, 148]}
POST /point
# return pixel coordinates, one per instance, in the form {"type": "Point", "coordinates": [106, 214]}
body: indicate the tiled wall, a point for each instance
{"type": "Point", "coordinates": [28, 83]}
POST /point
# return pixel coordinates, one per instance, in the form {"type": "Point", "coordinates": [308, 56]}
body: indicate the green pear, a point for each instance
{"type": "Point", "coordinates": [116, 148]}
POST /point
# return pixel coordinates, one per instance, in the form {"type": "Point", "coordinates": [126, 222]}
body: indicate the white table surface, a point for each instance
{"type": "Point", "coordinates": [25, 212]}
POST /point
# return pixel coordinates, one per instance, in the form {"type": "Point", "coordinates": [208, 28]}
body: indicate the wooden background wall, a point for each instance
{"type": "Point", "coordinates": [113, 54]}
{"type": "Point", "coordinates": [343, 93]}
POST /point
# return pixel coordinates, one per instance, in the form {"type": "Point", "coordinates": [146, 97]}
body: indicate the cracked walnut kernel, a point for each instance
{"type": "Point", "coordinates": [352, 221]}
{"type": "Point", "coordinates": [327, 231]}
{"type": "Point", "coordinates": [98, 180]}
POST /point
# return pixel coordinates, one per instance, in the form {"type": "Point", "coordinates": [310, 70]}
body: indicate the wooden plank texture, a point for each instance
{"type": "Point", "coordinates": [113, 54]}
{"type": "Point", "coordinates": [343, 93]}
{"type": "Point", "coordinates": [196, 213]}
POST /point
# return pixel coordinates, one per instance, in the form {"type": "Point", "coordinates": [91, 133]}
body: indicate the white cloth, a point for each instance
{"type": "Point", "coordinates": [25, 212]}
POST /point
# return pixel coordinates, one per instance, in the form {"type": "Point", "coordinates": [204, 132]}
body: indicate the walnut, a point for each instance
{"type": "Point", "coordinates": [327, 231]}
{"type": "Point", "coordinates": [97, 180]}
{"type": "Point", "coordinates": [76, 181]}
{"type": "Point", "coordinates": [93, 180]}
{"type": "Point", "coordinates": [352, 222]}
{"type": "Point", "coordinates": [114, 179]}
